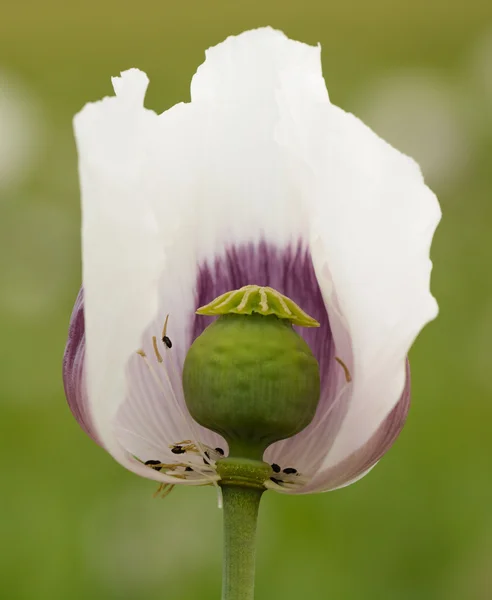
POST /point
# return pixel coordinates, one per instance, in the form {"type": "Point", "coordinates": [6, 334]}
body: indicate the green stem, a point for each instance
{"type": "Point", "coordinates": [240, 516]}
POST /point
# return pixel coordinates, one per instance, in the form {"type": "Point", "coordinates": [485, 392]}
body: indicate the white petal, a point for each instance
{"type": "Point", "coordinates": [372, 221]}
{"type": "Point", "coordinates": [250, 67]}
{"type": "Point", "coordinates": [162, 196]}
{"type": "Point", "coordinates": [216, 177]}
{"type": "Point", "coordinates": [165, 198]}
{"type": "Point", "coordinates": [121, 253]}
{"type": "Point", "coordinates": [221, 175]}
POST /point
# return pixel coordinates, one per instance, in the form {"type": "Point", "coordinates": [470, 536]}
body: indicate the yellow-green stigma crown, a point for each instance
{"type": "Point", "coordinates": [261, 300]}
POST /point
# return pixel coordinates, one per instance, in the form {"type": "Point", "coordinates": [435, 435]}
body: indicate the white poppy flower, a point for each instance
{"type": "Point", "coordinates": [258, 180]}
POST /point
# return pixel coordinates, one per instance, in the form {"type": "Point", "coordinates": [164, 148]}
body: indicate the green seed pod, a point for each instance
{"type": "Point", "coordinates": [249, 376]}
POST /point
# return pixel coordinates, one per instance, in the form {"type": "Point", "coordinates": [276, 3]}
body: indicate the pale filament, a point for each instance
{"type": "Point", "coordinates": [187, 419]}
{"type": "Point", "coordinates": [164, 489]}
{"type": "Point", "coordinates": [186, 416]}
{"type": "Point", "coordinates": [282, 481]}
{"type": "Point", "coordinates": [143, 422]}
{"type": "Point", "coordinates": [348, 376]}
{"type": "Point", "coordinates": [171, 466]}
{"type": "Point", "coordinates": [199, 470]}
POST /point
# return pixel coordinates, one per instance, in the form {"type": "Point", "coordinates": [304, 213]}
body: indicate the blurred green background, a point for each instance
{"type": "Point", "coordinates": [74, 524]}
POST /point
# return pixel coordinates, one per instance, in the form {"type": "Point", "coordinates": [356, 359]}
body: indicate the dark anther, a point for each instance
{"type": "Point", "coordinates": [167, 341]}
{"type": "Point", "coordinates": [207, 462]}
{"type": "Point", "coordinates": [290, 471]}
{"type": "Point", "coordinates": [277, 481]}
{"type": "Point", "coordinates": [178, 450]}
{"type": "Point", "coordinates": [275, 468]}
{"type": "Point", "coordinates": [152, 463]}
{"type": "Point", "coordinates": [219, 451]}
{"type": "Point", "coordinates": [188, 469]}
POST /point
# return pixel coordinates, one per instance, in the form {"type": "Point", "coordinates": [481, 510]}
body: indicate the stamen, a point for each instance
{"type": "Point", "coordinates": [348, 377]}
{"type": "Point", "coordinates": [158, 465]}
{"type": "Point", "coordinates": [281, 485]}
{"type": "Point", "coordinates": [289, 479]}
{"type": "Point", "coordinates": [154, 464]}
{"type": "Point", "coordinates": [290, 471]}
{"type": "Point", "coordinates": [165, 489]}
{"type": "Point", "coordinates": [185, 415]}
{"type": "Point", "coordinates": [171, 468]}
{"type": "Point", "coordinates": [164, 329]}
{"type": "Point", "coordinates": [164, 337]}
{"type": "Point", "coordinates": [209, 475]}
{"type": "Point", "coordinates": [209, 456]}
{"type": "Point", "coordinates": [173, 395]}
{"type": "Point", "coordinates": [185, 446]}
{"type": "Point", "coordinates": [178, 406]}
{"type": "Point", "coordinates": [156, 349]}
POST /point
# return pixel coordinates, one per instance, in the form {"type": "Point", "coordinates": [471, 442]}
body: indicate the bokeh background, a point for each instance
{"type": "Point", "coordinates": [73, 523]}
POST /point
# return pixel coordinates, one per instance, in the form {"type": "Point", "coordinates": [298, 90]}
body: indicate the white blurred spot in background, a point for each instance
{"type": "Point", "coordinates": [419, 114]}
{"type": "Point", "coordinates": [133, 542]}
{"type": "Point", "coordinates": [21, 131]}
